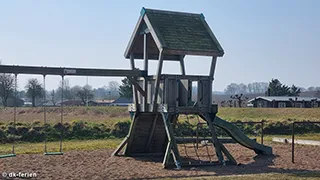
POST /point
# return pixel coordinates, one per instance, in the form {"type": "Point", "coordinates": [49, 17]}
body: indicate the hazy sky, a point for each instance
{"type": "Point", "coordinates": [262, 39]}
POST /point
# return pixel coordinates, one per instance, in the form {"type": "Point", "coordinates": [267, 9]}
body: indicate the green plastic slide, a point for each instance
{"type": "Point", "coordinates": [241, 138]}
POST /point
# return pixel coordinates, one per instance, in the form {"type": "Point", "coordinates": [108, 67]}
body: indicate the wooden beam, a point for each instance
{"type": "Point", "coordinates": [216, 143]}
{"type": "Point", "coordinates": [213, 66]}
{"type": "Point", "coordinates": [157, 83]}
{"type": "Point", "coordinates": [122, 144]}
{"type": "Point", "coordinates": [69, 71]}
{"type": "Point", "coordinates": [133, 37]}
{"type": "Point", "coordinates": [182, 66]}
{"type": "Point", "coordinates": [159, 42]}
{"type": "Point", "coordinates": [172, 145]}
{"type": "Point", "coordinates": [145, 57]}
{"type": "Point", "coordinates": [137, 86]}
{"type": "Point", "coordinates": [152, 132]}
{"type": "Point", "coordinates": [131, 133]}
{"type": "Point", "coordinates": [134, 89]}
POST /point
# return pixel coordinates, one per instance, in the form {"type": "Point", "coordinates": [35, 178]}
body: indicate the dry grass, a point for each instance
{"type": "Point", "coordinates": [270, 114]}
{"type": "Point", "coordinates": [111, 115]}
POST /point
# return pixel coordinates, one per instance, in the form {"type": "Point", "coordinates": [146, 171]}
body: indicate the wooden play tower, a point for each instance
{"type": "Point", "coordinates": [160, 98]}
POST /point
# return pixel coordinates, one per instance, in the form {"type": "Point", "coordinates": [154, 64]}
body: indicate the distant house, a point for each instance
{"type": "Point", "coordinates": [71, 103]}
{"type": "Point", "coordinates": [104, 102]}
{"type": "Point", "coordinates": [122, 101]}
{"type": "Point", "coordinates": [284, 102]}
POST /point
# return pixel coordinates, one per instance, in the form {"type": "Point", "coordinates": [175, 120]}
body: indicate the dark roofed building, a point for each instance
{"type": "Point", "coordinates": [284, 102]}
{"type": "Point", "coordinates": [176, 33]}
{"type": "Point", "coordinates": [122, 101]}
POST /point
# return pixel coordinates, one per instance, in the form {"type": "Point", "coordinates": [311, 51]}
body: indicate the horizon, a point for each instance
{"type": "Point", "coordinates": [261, 40]}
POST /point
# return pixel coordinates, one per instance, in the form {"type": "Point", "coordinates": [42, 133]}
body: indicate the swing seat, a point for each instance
{"type": "Point", "coordinates": [7, 155]}
{"type": "Point", "coordinates": [53, 153]}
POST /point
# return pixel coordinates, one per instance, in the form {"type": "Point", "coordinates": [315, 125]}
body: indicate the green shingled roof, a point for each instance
{"type": "Point", "coordinates": [178, 33]}
{"type": "Point", "coordinates": [182, 31]}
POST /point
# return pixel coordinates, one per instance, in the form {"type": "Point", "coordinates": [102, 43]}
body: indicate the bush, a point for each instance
{"type": "Point", "coordinates": [121, 129]}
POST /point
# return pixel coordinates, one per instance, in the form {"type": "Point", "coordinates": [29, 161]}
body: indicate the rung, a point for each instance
{"type": "Point", "coordinates": [7, 155]}
{"type": "Point", "coordinates": [53, 153]}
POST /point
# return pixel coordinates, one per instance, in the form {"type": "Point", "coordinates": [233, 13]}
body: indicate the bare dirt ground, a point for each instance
{"type": "Point", "coordinates": [99, 165]}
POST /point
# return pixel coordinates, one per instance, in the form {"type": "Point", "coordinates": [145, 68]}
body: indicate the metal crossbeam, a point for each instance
{"type": "Point", "coordinates": [68, 71]}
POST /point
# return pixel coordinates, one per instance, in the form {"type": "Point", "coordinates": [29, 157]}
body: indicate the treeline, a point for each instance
{"type": "Point", "coordinates": [262, 87]}
{"type": "Point", "coordinates": [34, 90]}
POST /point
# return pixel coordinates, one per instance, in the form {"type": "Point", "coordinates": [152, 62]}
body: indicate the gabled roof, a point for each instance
{"type": "Point", "coordinates": [122, 100]}
{"type": "Point", "coordinates": [284, 98]}
{"type": "Point", "coordinates": [177, 33]}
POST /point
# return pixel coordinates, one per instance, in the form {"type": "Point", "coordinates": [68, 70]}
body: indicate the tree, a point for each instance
{"type": "Point", "coordinates": [34, 90]}
{"type": "Point", "coordinates": [239, 99]}
{"type": "Point", "coordinates": [6, 87]}
{"type": "Point", "coordinates": [113, 89]}
{"type": "Point", "coordinates": [84, 93]}
{"type": "Point", "coordinates": [53, 96]}
{"type": "Point", "coordinates": [277, 89]}
{"type": "Point", "coordinates": [67, 94]}
{"type": "Point", "coordinates": [317, 94]}
{"type": "Point", "coordinates": [125, 89]}
{"type": "Point", "coordinates": [294, 91]}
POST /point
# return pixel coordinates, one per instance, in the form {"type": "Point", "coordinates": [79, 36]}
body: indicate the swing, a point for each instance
{"type": "Point", "coordinates": [45, 119]}
{"type": "Point", "coordinates": [13, 154]}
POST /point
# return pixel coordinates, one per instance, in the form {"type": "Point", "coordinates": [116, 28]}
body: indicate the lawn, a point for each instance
{"type": "Point", "coordinates": [34, 148]}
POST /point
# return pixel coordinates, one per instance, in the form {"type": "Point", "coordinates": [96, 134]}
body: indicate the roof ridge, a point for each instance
{"type": "Point", "coordinates": [173, 12]}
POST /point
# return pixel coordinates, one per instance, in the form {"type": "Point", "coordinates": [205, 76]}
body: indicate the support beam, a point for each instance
{"type": "Point", "coordinates": [134, 89]}
{"type": "Point", "coordinates": [69, 71]}
{"type": "Point", "coordinates": [122, 144]}
{"type": "Point", "coordinates": [137, 86]}
{"type": "Point", "coordinates": [216, 143]}
{"type": "Point", "coordinates": [157, 83]}
{"type": "Point", "coordinates": [213, 66]}
{"type": "Point", "coordinates": [145, 57]}
{"type": "Point", "coordinates": [172, 147]}
{"type": "Point", "coordinates": [182, 66]}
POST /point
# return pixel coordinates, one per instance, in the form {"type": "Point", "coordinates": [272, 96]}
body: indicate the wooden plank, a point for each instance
{"type": "Point", "coordinates": [69, 71]}
{"type": "Point", "coordinates": [131, 132]}
{"type": "Point", "coordinates": [152, 131]}
{"type": "Point", "coordinates": [145, 57]}
{"type": "Point", "coordinates": [157, 83]}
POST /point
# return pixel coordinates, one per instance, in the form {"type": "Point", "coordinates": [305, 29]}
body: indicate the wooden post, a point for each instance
{"type": "Point", "coordinates": [292, 143]}
{"type": "Point", "coordinates": [157, 83]}
{"type": "Point", "coordinates": [182, 66]}
{"type": "Point", "coordinates": [213, 66]}
{"type": "Point", "coordinates": [135, 93]}
{"type": "Point", "coordinates": [145, 57]}
{"type": "Point", "coordinates": [172, 144]}
{"type": "Point", "coordinates": [215, 140]}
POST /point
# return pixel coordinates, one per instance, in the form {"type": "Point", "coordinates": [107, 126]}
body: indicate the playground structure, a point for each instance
{"type": "Point", "coordinates": [159, 99]}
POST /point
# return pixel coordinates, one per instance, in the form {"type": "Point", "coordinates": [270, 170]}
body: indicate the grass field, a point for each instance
{"type": "Point", "coordinates": [111, 115]}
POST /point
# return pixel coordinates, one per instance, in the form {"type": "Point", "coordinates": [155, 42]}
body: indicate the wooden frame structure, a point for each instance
{"type": "Point", "coordinates": [162, 97]}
